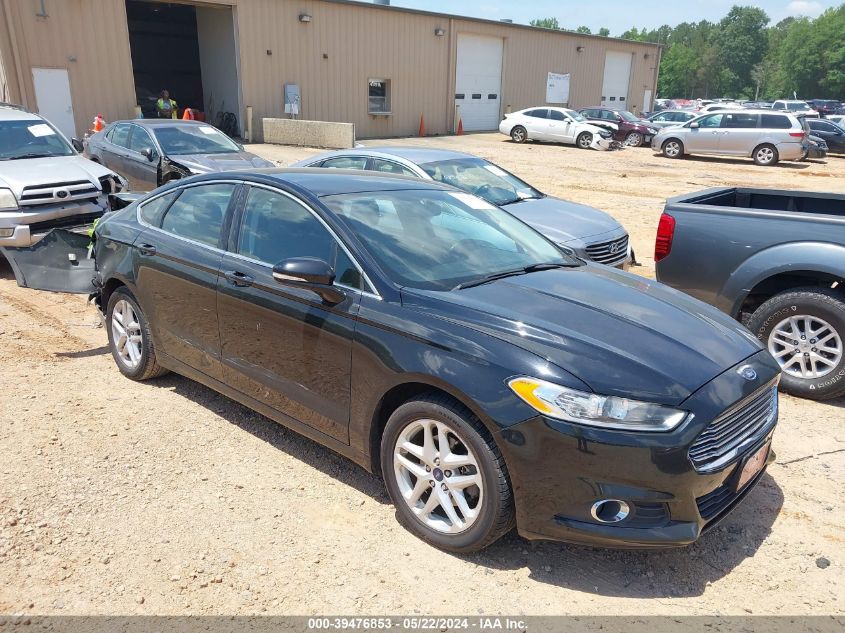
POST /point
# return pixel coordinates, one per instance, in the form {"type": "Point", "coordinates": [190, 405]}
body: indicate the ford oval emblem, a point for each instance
{"type": "Point", "coordinates": [747, 372]}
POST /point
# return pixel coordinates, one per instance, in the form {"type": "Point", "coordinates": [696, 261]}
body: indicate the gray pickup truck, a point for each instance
{"type": "Point", "coordinates": [774, 260]}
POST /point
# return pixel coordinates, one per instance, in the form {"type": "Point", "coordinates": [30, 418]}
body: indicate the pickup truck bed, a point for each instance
{"type": "Point", "coordinates": [762, 256]}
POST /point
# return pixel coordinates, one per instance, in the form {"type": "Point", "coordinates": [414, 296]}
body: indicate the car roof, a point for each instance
{"type": "Point", "coordinates": [11, 113]}
{"type": "Point", "coordinates": [160, 122]}
{"type": "Point", "coordinates": [328, 182]}
{"type": "Point", "coordinates": [416, 155]}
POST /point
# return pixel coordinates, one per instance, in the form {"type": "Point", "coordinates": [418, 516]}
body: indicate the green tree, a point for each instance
{"type": "Point", "coordinates": [741, 42]}
{"type": "Point", "coordinates": [604, 32]}
{"type": "Point", "coordinates": [546, 23]}
{"type": "Point", "coordinates": [584, 29]}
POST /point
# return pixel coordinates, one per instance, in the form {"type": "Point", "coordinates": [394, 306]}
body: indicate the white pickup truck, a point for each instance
{"type": "Point", "coordinates": [44, 183]}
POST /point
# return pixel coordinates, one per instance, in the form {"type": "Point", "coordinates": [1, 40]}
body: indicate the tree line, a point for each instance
{"type": "Point", "coordinates": [743, 56]}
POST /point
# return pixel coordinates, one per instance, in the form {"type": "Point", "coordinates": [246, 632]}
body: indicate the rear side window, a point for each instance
{"type": "Point", "coordinates": [389, 167]}
{"type": "Point", "coordinates": [775, 122]}
{"type": "Point", "coordinates": [153, 211]}
{"type": "Point", "coordinates": [538, 114]}
{"type": "Point", "coordinates": [346, 162]}
{"type": "Point", "coordinates": [740, 121]}
{"type": "Point", "coordinates": [198, 212]}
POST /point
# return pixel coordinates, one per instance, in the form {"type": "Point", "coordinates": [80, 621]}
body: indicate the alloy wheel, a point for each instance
{"type": "Point", "coordinates": [518, 135]}
{"type": "Point", "coordinates": [585, 140]}
{"type": "Point", "coordinates": [672, 149]}
{"type": "Point", "coordinates": [765, 155]}
{"type": "Point", "coordinates": [438, 476]}
{"type": "Point", "coordinates": [634, 139]}
{"type": "Point", "coordinates": [805, 346]}
{"type": "Point", "coordinates": [126, 334]}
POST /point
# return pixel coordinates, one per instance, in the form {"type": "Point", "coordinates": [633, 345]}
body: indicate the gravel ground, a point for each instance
{"type": "Point", "coordinates": [167, 498]}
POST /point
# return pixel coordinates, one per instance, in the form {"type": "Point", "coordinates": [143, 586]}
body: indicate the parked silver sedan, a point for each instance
{"type": "Point", "coordinates": [668, 118]}
{"type": "Point", "coordinates": [591, 233]}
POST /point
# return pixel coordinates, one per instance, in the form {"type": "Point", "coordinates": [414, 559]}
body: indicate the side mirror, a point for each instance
{"type": "Point", "coordinates": [309, 272]}
{"type": "Point", "coordinates": [77, 145]}
{"type": "Point", "coordinates": [694, 125]}
{"type": "Point", "coordinates": [148, 153]}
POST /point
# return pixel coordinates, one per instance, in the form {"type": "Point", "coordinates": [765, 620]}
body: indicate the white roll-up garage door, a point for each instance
{"type": "Point", "coordinates": [478, 81]}
{"type": "Point", "coordinates": [617, 77]}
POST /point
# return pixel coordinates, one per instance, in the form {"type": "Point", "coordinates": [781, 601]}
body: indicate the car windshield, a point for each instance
{"type": "Point", "coordinates": [628, 116]}
{"type": "Point", "coordinates": [481, 178]}
{"type": "Point", "coordinates": [437, 240]}
{"type": "Point", "coordinates": [31, 139]}
{"type": "Point", "coordinates": [797, 107]}
{"type": "Point", "coordinates": [193, 139]}
{"type": "Point", "coordinates": [576, 115]}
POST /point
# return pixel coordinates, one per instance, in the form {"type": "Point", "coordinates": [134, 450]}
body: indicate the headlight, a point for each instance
{"type": "Point", "coordinates": [605, 134]}
{"type": "Point", "coordinates": [609, 412]}
{"type": "Point", "coordinates": [8, 202]}
{"type": "Point", "coordinates": [652, 130]}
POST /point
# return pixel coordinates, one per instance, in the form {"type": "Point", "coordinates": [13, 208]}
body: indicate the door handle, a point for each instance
{"type": "Point", "coordinates": [147, 249]}
{"type": "Point", "coordinates": [238, 278]}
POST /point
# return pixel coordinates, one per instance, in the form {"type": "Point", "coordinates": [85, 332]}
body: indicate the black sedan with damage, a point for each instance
{"type": "Point", "coordinates": [491, 378]}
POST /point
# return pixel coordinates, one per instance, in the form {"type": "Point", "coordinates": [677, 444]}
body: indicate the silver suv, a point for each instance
{"type": "Point", "coordinates": [44, 182]}
{"type": "Point", "coordinates": [763, 135]}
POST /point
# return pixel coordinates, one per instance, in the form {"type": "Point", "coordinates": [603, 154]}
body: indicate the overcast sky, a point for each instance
{"type": "Point", "coordinates": [617, 15]}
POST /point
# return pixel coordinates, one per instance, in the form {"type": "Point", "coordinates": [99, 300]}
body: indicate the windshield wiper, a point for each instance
{"type": "Point", "coordinates": [518, 199]}
{"type": "Point", "coordinates": [533, 268]}
{"type": "Point", "coordinates": [20, 156]}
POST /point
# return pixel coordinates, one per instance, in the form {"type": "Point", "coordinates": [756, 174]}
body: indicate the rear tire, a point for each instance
{"type": "Point", "coordinates": [765, 155]}
{"type": "Point", "coordinates": [130, 340]}
{"type": "Point", "coordinates": [484, 510]}
{"type": "Point", "coordinates": [584, 140]}
{"type": "Point", "coordinates": [519, 134]}
{"type": "Point", "coordinates": [813, 366]}
{"type": "Point", "coordinates": [673, 148]}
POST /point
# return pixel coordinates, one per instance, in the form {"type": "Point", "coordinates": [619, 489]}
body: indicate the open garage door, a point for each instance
{"type": "Point", "coordinates": [617, 78]}
{"type": "Point", "coordinates": [478, 81]}
{"type": "Point", "coordinates": [190, 50]}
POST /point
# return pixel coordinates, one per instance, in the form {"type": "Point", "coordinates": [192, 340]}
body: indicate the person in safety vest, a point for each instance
{"type": "Point", "coordinates": [165, 106]}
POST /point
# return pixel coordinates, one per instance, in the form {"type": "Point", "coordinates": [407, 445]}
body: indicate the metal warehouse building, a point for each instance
{"type": "Point", "coordinates": [379, 67]}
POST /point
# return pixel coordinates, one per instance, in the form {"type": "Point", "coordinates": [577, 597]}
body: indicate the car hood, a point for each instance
{"type": "Point", "coordinates": [18, 174]}
{"type": "Point", "coordinates": [619, 333]}
{"type": "Point", "coordinates": [206, 163]}
{"type": "Point", "coordinates": [562, 221]}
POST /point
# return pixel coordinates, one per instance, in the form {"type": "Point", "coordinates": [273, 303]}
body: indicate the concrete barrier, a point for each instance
{"type": "Point", "coordinates": [309, 133]}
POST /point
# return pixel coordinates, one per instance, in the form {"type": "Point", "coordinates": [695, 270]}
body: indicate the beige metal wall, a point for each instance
{"type": "Point", "coordinates": [331, 58]}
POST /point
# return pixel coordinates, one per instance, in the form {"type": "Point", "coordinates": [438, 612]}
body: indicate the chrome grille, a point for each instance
{"type": "Point", "coordinates": [729, 435]}
{"type": "Point", "coordinates": [611, 253]}
{"type": "Point", "coordinates": [58, 192]}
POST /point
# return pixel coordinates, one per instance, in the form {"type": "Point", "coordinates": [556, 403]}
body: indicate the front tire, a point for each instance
{"type": "Point", "coordinates": [445, 475]}
{"type": "Point", "coordinates": [765, 155]}
{"type": "Point", "coordinates": [130, 341]}
{"type": "Point", "coordinates": [634, 139]}
{"type": "Point", "coordinates": [673, 148]}
{"type": "Point", "coordinates": [519, 134]}
{"type": "Point", "coordinates": [804, 330]}
{"type": "Point", "coordinates": [584, 140]}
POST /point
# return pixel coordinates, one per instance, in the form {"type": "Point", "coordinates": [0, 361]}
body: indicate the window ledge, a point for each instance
{"type": "Point", "coordinates": [380, 113]}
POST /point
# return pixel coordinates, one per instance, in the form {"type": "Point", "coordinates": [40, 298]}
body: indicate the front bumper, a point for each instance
{"type": "Point", "coordinates": [559, 470]}
{"type": "Point", "coordinates": [30, 224]}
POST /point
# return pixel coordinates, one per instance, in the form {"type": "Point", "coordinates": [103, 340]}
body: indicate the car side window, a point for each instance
{"type": "Point", "coordinates": [140, 140]}
{"type": "Point", "coordinates": [276, 227]}
{"type": "Point", "coordinates": [346, 162]}
{"type": "Point", "coordinates": [119, 134]}
{"type": "Point", "coordinates": [198, 212]}
{"type": "Point", "coordinates": [556, 116]}
{"type": "Point", "coordinates": [390, 167]}
{"type": "Point", "coordinates": [739, 120]}
{"type": "Point", "coordinates": [714, 120]}
{"type": "Point", "coordinates": [609, 115]}
{"type": "Point", "coordinates": [153, 211]}
{"type": "Point", "coordinates": [775, 122]}
{"type": "Point", "coordinates": [540, 113]}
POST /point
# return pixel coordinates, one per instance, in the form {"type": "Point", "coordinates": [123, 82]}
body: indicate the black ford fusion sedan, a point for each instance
{"type": "Point", "coordinates": [492, 379]}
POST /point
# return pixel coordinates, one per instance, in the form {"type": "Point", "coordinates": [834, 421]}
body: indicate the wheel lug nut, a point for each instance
{"type": "Point", "coordinates": [815, 350]}
{"type": "Point", "coordinates": [812, 340]}
{"type": "Point", "coordinates": [444, 486]}
{"type": "Point", "coordinates": [807, 354]}
{"type": "Point", "coordinates": [428, 469]}
{"type": "Point", "coordinates": [431, 483]}
{"type": "Point", "coordinates": [803, 338]}
{"type": "Point", "coordinates": [448, 473]}
{"type": "Point", "coordinates": [437, 461]}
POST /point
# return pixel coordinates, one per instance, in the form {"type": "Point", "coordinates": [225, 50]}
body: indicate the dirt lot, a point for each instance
{"type": "Point", "coordinates": [166, 498]}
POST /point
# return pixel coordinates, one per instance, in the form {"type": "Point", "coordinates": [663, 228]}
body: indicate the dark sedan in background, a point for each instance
{"type": "Point", "coordinates": [631, 129]}
{"type": "Point", "coordinates": [430, 336]}
{"type": "Point", "coordinates": [152, 152]}
{"type": "Point", "coordinates": [831, 133]}
{"type": "Point", "coordinates": [590, 232]}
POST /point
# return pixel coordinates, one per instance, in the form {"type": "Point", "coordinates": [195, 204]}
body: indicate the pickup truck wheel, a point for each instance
{"type": "Point", "coordinates": [445, 475]}
{"type": "Point", "coordinates": [765, 155]}
{"type": "Point", "coordinates": [673, 148]}
{"type": "Point", "coordinates": [130, 340]}
{"type": "Point", "coordinates": [804, 330]}
{"type": "Point", "coordinates": [584, 140]}
{"type": "Point", "coordinates": [519, 134]}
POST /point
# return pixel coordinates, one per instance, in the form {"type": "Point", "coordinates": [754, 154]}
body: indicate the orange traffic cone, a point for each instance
{"type": "Point", "coordinates": [188, 115]}
{"type": "Point", "coordinates": [422, 126]}
{"type": "Point", "coordinates": [460, 127]}
{"type": "Point", "coordinates": [99, 123]}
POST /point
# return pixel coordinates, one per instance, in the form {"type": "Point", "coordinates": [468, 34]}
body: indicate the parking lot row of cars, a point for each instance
{"type": "Point", "coordinates": [437, 320]}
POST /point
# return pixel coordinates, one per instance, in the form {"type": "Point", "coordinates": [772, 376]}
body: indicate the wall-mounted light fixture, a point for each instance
{"type": "Point", "coordinates": [439, 32]}
{"type": "Point", "coordinates": [580, 49]}
{"type": "Point", "coordinates": [304, 17]}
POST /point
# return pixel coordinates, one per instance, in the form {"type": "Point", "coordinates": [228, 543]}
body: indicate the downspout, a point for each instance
{"type": "Point", "coordinates": [15, 53]}
{"type": "Point", "coordinates": [657, 71]}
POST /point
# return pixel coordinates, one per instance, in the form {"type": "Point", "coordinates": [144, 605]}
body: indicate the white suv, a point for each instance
{"type": "Point", "coordinates": [798, 108]}
{"type": "Point", "coordinates": [44, 182]}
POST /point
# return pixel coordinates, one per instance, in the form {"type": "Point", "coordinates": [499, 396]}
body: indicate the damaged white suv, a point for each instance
{"type": "Point", "coordinates": [44, 182]}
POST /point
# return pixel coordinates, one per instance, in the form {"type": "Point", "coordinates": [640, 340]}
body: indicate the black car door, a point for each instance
{"type": "Point", "coordinates": [178, 258]}
{"type": "Point", "coordinates": [141, 169]}
{"type": "Point", "coordinates": [282, 345]}
{"type": "Point", "coordinates": [833, 135]}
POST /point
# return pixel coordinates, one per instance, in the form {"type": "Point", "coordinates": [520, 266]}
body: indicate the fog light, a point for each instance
{"type": "Point", "coordinates": [610, 511]}
{"type": "Point", "coordinates": [7, 232]}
